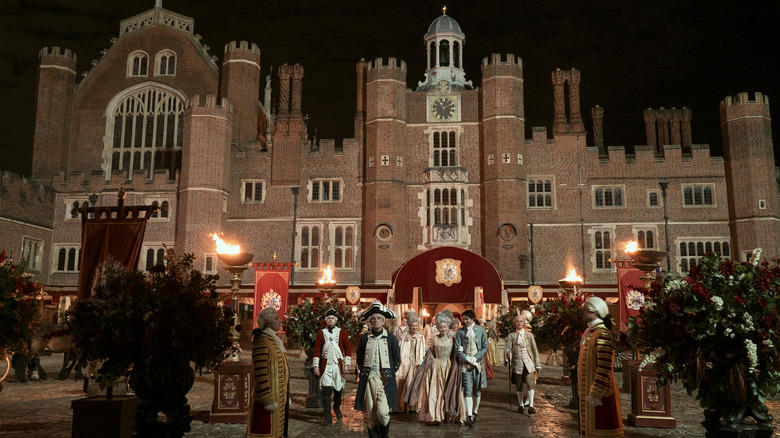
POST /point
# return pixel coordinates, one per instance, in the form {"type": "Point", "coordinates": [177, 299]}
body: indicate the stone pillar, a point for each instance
{"type": "Point", "coordinates": [297, 83]}
{"type": "Point", "coordinates": [650, 127]}
{"type": "Point", "coordinates": [598, 127]}
{"type": "Point", "coordinates": [685, 128]}
{"type": "Point", "coordinates": [674, 127]}
{"type": "Point", "coordinates": [285, 71]}
{"type": "Point", "coordinates": [558, 80]}
{"type": "Point", "coordinates": [575, 115]}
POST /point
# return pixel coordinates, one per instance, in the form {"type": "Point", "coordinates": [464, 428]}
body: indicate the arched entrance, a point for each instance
{"type": "Point", "coordinates": [448, 278]}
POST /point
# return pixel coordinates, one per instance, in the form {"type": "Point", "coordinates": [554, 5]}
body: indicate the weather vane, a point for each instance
{"type": "Point", "coordinates": [444, 9]}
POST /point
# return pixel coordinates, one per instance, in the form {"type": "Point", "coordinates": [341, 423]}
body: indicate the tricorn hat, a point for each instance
{"type": "Point", "coordinates": [331, 312]}
{"type": "Point", "coordinates": [377, 307]}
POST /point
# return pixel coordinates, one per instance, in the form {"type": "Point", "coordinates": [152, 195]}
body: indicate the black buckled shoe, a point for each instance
{"type": "Point", "coordinates": [531, 410]}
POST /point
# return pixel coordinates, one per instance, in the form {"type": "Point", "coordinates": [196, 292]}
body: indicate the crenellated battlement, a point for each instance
{"type": "Point", "coordinates": [80, 182]}
{"type": "Point", "coordinates": [210, 101]}
{"type": "Point", "coordinates": [242, 46]}
{"type": "Point", "coordinates": [13, 185]}
{"type": "Point", "coordinates": [57, 52]}
{"type": "Point", "coordinates": [328, 146]}
{"type": "Point", "coordinates": [735, 107]}
{"type": "Point", "coordinates": [744, 99]}
{"type": "Point", "coordinates": [392, 63]}
{"type": "Point", "coordinates": [499, 59]}
{"type": "Point", "coordinates": [645, 155]}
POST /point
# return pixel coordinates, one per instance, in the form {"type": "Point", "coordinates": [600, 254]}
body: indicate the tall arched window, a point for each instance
{"type": "Point", "coordinates": [146, 132]}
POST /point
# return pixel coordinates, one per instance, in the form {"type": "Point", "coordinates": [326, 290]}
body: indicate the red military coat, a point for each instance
{"type": "Point", "coordinates": [319, 344]}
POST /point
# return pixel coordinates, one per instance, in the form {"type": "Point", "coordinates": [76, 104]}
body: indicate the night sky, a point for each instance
{"type": "Point", "coordinates": [632, 55]}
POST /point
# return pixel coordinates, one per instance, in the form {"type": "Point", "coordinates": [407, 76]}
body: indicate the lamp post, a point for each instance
{"type": "Point", "coordinates": [664, 185]}
{"type": "Point", "coordinates": [294, 233]}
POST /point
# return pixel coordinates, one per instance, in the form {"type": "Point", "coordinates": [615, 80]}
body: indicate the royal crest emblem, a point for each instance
{"type": "Point", "coordinates": [272, 299]}
{"type": "Point", "coordinates": [535, 294]}
{"type": "Point", "coordinates": [353, 294]}
{"type": "Point", "coordinates": [448, 272]}
{"type": "Point", "coordinates": [635, 300]}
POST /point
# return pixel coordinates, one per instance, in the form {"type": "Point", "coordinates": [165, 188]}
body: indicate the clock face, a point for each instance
{"type": "Point", "coordinates": [443, 87]}
{"type": "Point", "coordinates": [443, 108]}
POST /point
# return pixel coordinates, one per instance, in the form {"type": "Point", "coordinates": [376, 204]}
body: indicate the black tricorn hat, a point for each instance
{"type": "Point", "coordinates": [377, 307]}
{"type": "Point", "coordinates": [331, 312]}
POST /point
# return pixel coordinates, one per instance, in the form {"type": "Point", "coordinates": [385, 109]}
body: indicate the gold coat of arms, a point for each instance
{"type": "Point", "coordinates": [353, 294]}
{"type": "Point", "coordinates": [448, 272]}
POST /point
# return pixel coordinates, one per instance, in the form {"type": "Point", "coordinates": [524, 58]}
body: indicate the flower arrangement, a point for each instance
{"type": "Point", "coordinates": [20, 310]}
{"type": "Point", "coordinates": [305, 319]}
{"type": "Point", "coordinates": [169, 316]}
{"type": "Point", "coordinates": [558, 322]}
{"type": "Point", "coordinates": [717, 330]}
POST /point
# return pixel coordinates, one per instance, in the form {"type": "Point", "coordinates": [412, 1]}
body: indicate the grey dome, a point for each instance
{"type": "Point", "coordinates": [444, 24]}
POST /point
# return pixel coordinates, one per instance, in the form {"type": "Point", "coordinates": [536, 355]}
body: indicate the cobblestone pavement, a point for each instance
{"type": "Point", "coordinates": [42, 409]}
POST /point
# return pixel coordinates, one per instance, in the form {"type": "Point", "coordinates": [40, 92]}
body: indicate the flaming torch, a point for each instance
{"type": "Point", "coordinates": [236, 263]}
{"type": "Point", "coordinates": [327, 281]}
{"type": "Point", "coordinates": [571, 282]}
{"type": "Point", "coordinates": [646, 260]}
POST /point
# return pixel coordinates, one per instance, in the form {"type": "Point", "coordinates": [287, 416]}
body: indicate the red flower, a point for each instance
{"type": "Point", "coordinates": [727, 268]}
{"type": "Point", "coordinates": [762, 302]}
{"type": "Point", "coordinates": [738, 299]}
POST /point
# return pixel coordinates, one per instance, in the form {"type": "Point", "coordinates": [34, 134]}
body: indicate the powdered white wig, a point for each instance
{"type": "Point", "coordinates": [442, 317]}
{"type": "Point", "coordinates": [262, 317]}
{"type": "Point", "coordinates": [528, 315]}
{"type": "Point", "coordinates": [597, 305]}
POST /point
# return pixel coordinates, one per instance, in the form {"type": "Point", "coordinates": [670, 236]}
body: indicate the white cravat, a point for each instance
{"type": "Point", "coordinates": [587, 331]}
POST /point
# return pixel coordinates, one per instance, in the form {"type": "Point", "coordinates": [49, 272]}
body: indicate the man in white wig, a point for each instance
{"type": "Point", "coordinates": [521, 350]}
{"type": "Point", "coordinates": [599, 396]}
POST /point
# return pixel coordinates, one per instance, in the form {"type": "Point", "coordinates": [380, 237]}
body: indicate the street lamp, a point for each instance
{"type": "Point", "coordinates": [664, 185]}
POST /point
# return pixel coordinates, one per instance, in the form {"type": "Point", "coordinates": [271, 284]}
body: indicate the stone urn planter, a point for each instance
{"type": "Point", "coordinates": [162, 387]}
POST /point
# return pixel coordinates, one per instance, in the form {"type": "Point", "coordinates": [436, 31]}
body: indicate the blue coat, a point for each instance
{"type": "Point", "coordinates": [391, 388]}
{"type": "Point", "coordinates": [480, 338]}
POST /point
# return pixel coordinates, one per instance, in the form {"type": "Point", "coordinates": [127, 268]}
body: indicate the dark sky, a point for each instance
{"type": "Point", "coordinates": [664, 53]}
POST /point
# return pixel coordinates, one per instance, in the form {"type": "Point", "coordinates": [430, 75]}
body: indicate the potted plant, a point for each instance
{"type": "Point", "coordinates": [20, 310]}
{"type": "Point", "coordinates": [302, 323]}
{"type": "Point", "coordinates": [153, 327]}
{"type": "Point", "coordinates": [718, 331]}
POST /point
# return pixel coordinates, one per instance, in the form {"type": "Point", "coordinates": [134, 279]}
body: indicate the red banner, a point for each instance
{"type": "Point", "coordinates": [272, 287]}
{"type": "Point", "coordinates": [116, 232]}
{"type": "Point", "coordinates": [630, 299]}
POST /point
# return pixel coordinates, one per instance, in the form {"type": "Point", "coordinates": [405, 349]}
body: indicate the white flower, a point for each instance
{"type": "Point", "coordinates": [650, 358]}
{"type": "Point", "coordinates": [718, 301]}
{"type": "Point", "coordinates": [752, 355]}
{"type": "Point", "coordinates": [768, 343]}
{"type": "Point", "coordinates": [755, 256]}
{"type": "Point", "coordinates": [749, 322]}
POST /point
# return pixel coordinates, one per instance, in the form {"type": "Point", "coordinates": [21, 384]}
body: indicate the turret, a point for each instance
{"type": "Point", "coordinates": [504, 230]}
{"type": "Point", "coordinates": [53, 111]}
{"type": "Point", "coordinates": [241, 86]}
{"type": "Point", "coordinates": [753, 196]}
{"type": "Point", "coordinates": [204, 174]}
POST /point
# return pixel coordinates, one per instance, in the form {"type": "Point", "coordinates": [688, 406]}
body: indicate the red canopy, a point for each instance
{"type": "Point", "coordinates": [420, 271]}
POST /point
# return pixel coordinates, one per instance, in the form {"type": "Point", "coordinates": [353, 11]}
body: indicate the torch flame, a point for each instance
{"type": "Point", "coordinates": [327, 276]}
{"type": "Point", "coordinates": [632, 246]}
{"type": "Point", "coordinates": [225, 248]}
{"type": "Point", "coordinates": [573, 276]}
{"type": "Point", "coordinates": [425, 313]}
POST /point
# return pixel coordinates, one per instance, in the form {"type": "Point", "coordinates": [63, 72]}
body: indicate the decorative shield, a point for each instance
{"type": "Point", "coordinates": [535, 294]}
{"type": "Point", "coordinates": [272, 299]}
{"type": "Point", "coordinates": [353, 294]}
{"type": "Point", "coordinates": [448, 272]}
